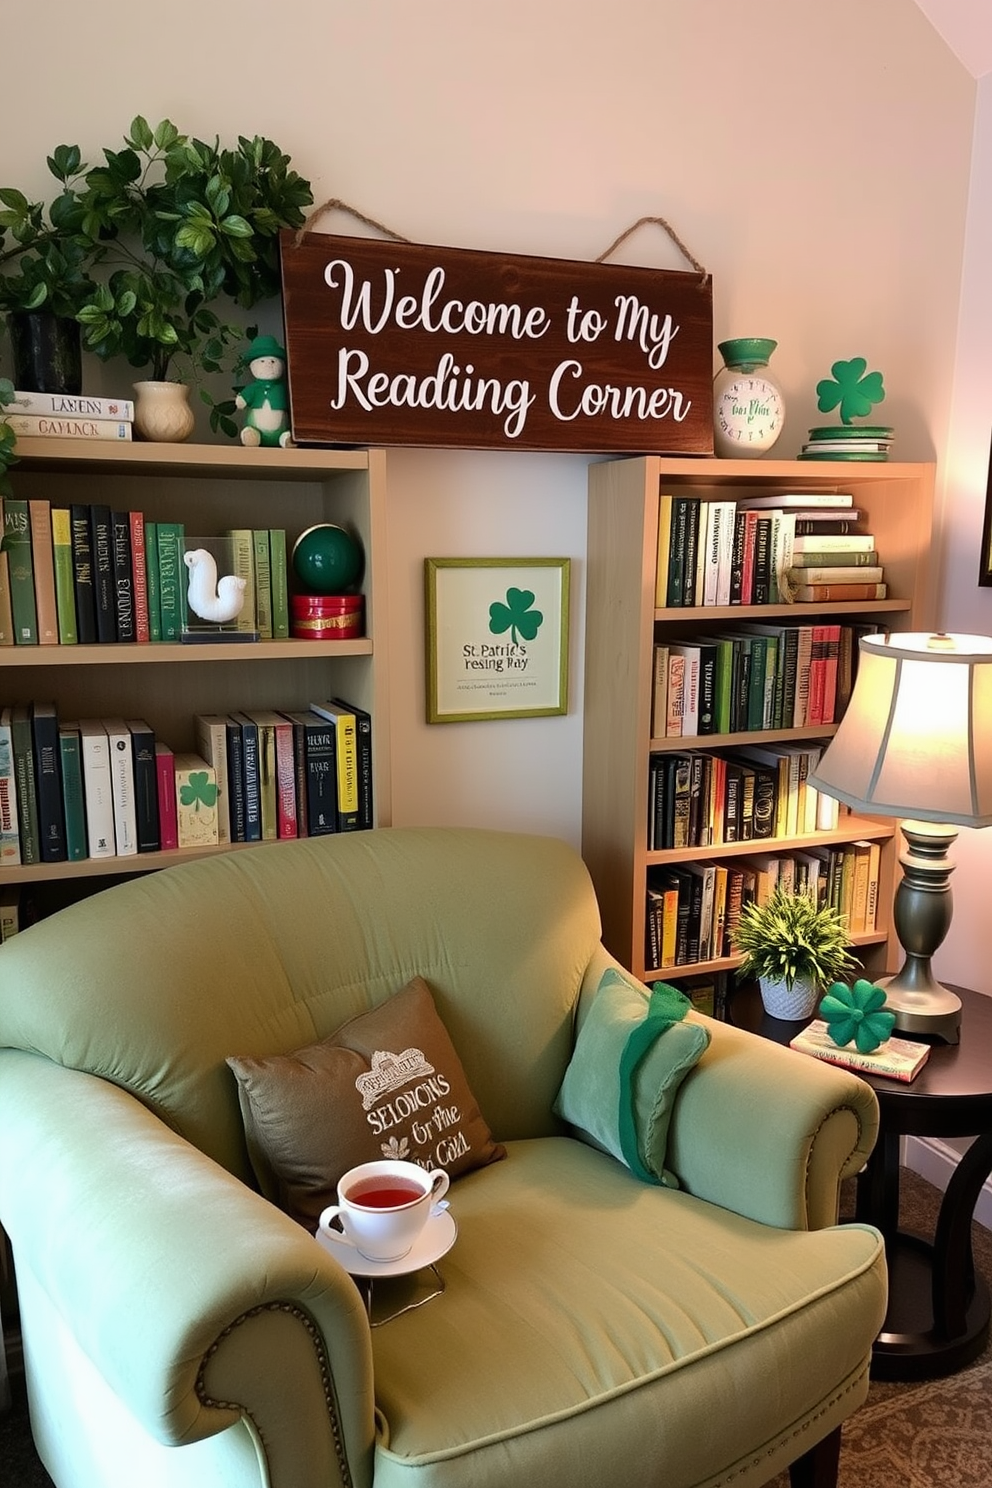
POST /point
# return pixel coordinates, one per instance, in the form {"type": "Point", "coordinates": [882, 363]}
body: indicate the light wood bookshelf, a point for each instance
{"type": "Point", "coordinates": [210, 488]}
{"type": "Point", "coordinates": [623, 624]}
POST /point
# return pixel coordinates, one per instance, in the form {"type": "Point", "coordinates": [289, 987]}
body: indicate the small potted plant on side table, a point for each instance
{"type": "Point", "coordinates": [795, 948]}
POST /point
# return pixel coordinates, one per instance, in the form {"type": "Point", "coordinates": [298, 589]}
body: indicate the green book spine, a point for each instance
{"type": "Point", "coordinates": [152, 582]}
{"type": "Point", "coordinates": [263, 583]}
{"type": "Point", "coordinates": [171, 578]}
{"type": "Point", "coordinates": [280, 583]}
{"type": "Point", "coordinates": [72, 792]}
{"type": "Point", "coordinates": [243, 564]}
{"type": "Point", "coordinates": [756, 683]}
{"type": "Point", "coordinates": [27, 798]}
{"type": "Point", "coordinates": [65, 591]}
{"type": "Point", "coordinates": [17, 542]}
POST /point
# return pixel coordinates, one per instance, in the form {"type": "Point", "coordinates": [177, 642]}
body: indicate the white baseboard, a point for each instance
{"type": "Point", "coordinates": [936, 1160]}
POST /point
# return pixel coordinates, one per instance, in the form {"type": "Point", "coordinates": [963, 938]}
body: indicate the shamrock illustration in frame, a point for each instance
{"type": "Point", "coordinates": [497, 638]}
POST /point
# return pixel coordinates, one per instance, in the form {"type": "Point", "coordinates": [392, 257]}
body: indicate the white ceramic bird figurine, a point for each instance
{"type": "Point", "coordinates": [208, 597]}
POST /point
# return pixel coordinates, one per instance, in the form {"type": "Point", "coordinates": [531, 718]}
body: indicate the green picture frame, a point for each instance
{"type": "Point", "coordinates": [497, 638]}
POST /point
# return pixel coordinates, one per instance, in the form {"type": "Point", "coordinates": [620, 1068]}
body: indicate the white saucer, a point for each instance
{"type": "Point", "coordinates": [435, 1240]}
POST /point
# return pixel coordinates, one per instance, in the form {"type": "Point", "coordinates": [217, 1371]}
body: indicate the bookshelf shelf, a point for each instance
{"type": "Point", "coordinates": [623, 621]}
{"type": "Point", "coordinates": [210, 489]}
{"type": "Point", "coordinates": [14, 658]}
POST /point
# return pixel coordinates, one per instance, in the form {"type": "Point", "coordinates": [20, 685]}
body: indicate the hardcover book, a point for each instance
{"type": "Point", "coordinates": [73, 405]}
{"type": "Point", "coordinates": [73, 802]}
{"type": "Point", "coordinates": [168, 821]}
{"type": "Point", "coordinates": [43, 566]}
{"type": "Point", "coordinates": [343, 720]}
{"type": "Point", "coordinates": [82, 573]}
{"type": "Point", "coordinates": [105, 598]}
{"type": "Point", "coordinates": [17, 544]}
{"type": "Point", "coordinates": [145, 767]}
{"type": "Point", "coordinates": [10, 841]}
{"type": "Point", "coordinates": [122, 787]}
{"type": "Point", "coordinates": [24, 777]}
{"type": "Point", "coordinates": [211, 744]}
{"type": "Point", "coordinates": [321, 773]}
{"type": "Point", "coordinates": [196, 801]}
{"type": "Point", "coordinates": [120, 522]}
{"type": "Point", "coordinates": [896, 1059]}
{"type": "Point", "coordinates": [48, 782]}
{"type": "Point", "coordinates": [53, 426]}
{"type": "Point", "coordinates": [65, 588]}
{"type": "Point", "coordinates": [97, 788]}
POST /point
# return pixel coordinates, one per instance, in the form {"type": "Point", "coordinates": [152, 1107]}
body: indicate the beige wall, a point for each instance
{"type": "Point", "coordinates": [816, 159]}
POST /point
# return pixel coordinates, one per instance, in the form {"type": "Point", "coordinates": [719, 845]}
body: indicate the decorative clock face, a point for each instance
{"type": "Point", "coordinates": [748, 414]}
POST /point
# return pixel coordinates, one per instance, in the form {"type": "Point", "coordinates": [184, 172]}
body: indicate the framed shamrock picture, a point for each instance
{"type": "Point", "coordinates": [497, 638]}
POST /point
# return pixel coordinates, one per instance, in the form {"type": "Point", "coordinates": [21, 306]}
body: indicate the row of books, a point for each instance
{"type": "Point", "coordinates": [692, 909]}
{"type": "Point", "coordinates": [90, 573]}
{"type": "Point", "coordinates": [68, 416]}
{"type": "Point", "coordinates": [702, 798]}
{"type": "Point", "coordinates": [754, 677]}
{"type": "Point", "coordinates": [764, 550]}
{"type": "Point", "coordinates": [107, 787]}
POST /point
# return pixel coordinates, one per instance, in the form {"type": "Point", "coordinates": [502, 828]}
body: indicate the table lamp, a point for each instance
{"type": "Point", "coordinates": [916, 742]}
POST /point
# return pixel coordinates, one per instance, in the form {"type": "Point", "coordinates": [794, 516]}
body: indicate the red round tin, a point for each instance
{"type": "Point", "coordinates": [326, 617]}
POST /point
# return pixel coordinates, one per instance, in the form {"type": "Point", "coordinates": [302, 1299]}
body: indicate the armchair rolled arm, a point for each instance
{"type": "Point", "coordinates": [768, 1132]}
{"type": "Point", "coordinates": [198, 1301]}
{"type": "Point", "coordinates": [760, 1129]}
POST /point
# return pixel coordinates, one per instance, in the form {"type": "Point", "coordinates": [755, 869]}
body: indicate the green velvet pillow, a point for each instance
{"type": "Point", "coordinates": [630, 1058]}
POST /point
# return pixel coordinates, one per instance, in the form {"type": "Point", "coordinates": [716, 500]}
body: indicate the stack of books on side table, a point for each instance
{"type": "Point", "coordinates": [896, 1059]}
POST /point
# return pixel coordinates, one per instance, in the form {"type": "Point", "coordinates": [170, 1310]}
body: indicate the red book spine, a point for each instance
{"type": "Point", "coordinates": [168, 816]}
{"type": "Point", "coordinates": [285, 781]}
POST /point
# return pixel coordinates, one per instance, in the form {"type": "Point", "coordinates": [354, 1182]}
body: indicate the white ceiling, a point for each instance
{"type": "Point", "coordinates": [966, 26]}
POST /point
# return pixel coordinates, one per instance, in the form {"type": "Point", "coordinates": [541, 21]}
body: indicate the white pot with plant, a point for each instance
{"type": "Point", "coordinates": [795, 948]}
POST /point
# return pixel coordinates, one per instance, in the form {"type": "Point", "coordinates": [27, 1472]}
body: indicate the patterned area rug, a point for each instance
{"type": "Point", "coordinates": [935, 1433]}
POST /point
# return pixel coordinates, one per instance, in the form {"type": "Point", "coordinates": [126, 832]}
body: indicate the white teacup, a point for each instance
{"type": "Point", "coordinates": [383, 1206]}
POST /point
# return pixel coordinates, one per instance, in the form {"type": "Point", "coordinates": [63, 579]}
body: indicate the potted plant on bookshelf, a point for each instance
{"type": "Point", "coordinates": [795, 948]}
{"type": "Point", "coordinates": [45, 278]}
{"type": "Point", "coordinates": [177, 225]}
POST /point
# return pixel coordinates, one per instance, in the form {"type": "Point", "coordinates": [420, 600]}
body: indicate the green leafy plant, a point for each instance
{"type": "Point", "coordinates": [789, 937]}
{"type": "Point", "coordinates": [851, 388]}
{"type": "Point", "coordinates": [8, 438]}
{"type": "Point", "coordinates": [179, 223]}
{"type": "Point", "coordinates": [46, 257]}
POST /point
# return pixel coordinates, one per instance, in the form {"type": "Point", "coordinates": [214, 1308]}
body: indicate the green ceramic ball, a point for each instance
{"type": "Point", "coordinates": [327, 559]}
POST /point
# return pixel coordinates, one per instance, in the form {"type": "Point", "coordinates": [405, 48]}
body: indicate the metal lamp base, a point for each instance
{"type": "Point", "coordinates": [922, 917]}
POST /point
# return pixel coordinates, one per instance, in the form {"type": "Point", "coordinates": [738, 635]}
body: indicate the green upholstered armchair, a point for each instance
{"type": "Point", "coordinates": [181, 1331]}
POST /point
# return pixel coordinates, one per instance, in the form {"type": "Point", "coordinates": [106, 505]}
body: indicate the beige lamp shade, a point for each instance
{"type": "Point", "coordinates": [916, 738]}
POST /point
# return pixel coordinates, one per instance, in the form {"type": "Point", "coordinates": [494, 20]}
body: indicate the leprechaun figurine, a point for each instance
{"type": "Point", "coordinates": [266, 397]}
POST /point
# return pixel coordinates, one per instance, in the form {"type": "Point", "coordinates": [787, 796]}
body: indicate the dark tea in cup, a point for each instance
{"type": "Point", "coordinates": [374, 1193]}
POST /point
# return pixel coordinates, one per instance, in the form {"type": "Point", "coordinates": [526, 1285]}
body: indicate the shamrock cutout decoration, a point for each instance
{"type": "Point", "coordinates": [198, 791]}
{"type": "Point", "coordinates": [856, 1013]}
{"type": "Point", "coordinates": [850, 388]}
{"type": "Point", "coordinates": [516, 616]}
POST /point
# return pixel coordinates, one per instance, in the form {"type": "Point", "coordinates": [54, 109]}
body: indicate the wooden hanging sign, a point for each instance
{"type": "Point", "coordinates": [392, 343]}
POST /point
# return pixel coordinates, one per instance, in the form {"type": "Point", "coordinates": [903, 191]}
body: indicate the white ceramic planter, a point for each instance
{"type": "Point", "coordinates": [793, 1003]}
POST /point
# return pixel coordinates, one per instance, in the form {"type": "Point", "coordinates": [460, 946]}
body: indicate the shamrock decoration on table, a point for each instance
{"type": "Point", "coordinates": [851, 388]}
{"type": "Point", "coordinates": [516, 616]}
{"type": "Point", "coordinates": [856, 1013]}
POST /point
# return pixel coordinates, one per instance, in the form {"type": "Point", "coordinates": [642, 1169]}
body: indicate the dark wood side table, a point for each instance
{"type": "Point", "coordinates": [939, 1309]}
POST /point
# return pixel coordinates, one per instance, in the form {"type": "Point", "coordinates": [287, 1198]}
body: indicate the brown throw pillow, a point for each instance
{"type": "Point", "coordinates": [386, 1084]}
